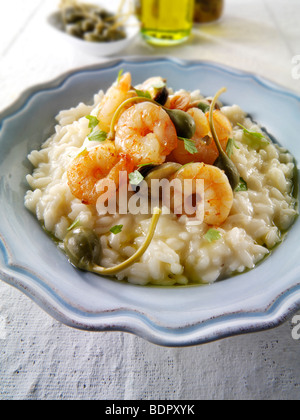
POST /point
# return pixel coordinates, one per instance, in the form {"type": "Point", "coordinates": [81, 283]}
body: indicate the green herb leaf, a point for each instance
{"type": "Point", "coordinates": [213, 235]}
{"type": "Point", "coordinates": [143, 94]}
{"type": "Point", "coordinates": [254, 139]}
{"type": "Point", "coordinates": [189, 145]}
{"type": "Point", "coordinates": [242, 186]}
{"type": "Point", "coordinates": [116, 229]}
{"type": "Point", "coordinates": [98, 135]}
{"type": "Point", "coordinates": [252, 133]}
{"type": "Point", "coordinates": [120, 75]}
{"type": "Point", "coordinates": [74, 225]}
{"type": "Point", "coordinates": [204, 107]}
{"type": "Point", "coordinates": [83, 152]}
{"type": "Point", "coordinates": [93, 121]}
{"type": "Point", "coordinates": [230, 145]}
{"type": "Point", "coordinates": [135, 178]}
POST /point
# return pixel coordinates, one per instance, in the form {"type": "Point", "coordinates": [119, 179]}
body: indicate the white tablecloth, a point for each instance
{"type": "Point", "coordinates": [43, 359]}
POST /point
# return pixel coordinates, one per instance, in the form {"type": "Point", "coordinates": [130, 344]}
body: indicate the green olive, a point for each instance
{"type": "Point", "coordinates": [82, 246]}
{"type": "Point", "coordinates": [184, 123]}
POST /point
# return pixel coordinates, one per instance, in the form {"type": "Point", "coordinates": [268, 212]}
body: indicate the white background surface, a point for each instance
{"type": "Point", "coordinates": [43, 359]}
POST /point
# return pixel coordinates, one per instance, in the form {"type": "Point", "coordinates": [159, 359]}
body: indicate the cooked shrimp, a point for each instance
{"type": "Point", "coordinates": [146, 133]}
{"type": "Point", "coordinates": [90, 168]}
{"type": "Point", "coordinates": [114, 97]}
{"type": "Point", "coordinates": [180, 101]}
{"type": "Point", "coordinates": [207, 149]}
{"type": "Point", "coordinates": [218, 195]}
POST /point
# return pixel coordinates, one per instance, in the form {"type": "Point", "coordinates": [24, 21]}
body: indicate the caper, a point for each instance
{"type": "Point", "coordinates": [184, 123]}
{"type": "Point", "coordinates": [82, 246]}
{"type": "Point", "coordinates": [164, 171]}
{"type": "Point", "coordinates": [92, 37]}
{"type": "Point", "coordinates": [91, 23]}
{"type": "Point", "coordinates": [99, 27]}
{"type": "Point", "coordinates": [75, 30]}
{"type": "Point", "coordinates": [158, 172]}
{"type": "Point", "coordinates": [205, 107]}
{"type": "Point", "coordinates": [114, 34]}
{"type": "Point", "coordinates": [224, 163]}
{"type": "Point", "coordinates": [146, 169]}
{"type": "Point", "coordinates": [72, 15]}
{"type": "Point", "coordinates": [162, 96]}
{"type": "Point", "coordinates": [104, 14]}
{"type": "Point", "coordinates": [87, 25]}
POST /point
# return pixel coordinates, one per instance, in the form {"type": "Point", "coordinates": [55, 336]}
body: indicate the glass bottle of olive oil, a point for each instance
{"type": "Point", "coordinates": [166, 22]}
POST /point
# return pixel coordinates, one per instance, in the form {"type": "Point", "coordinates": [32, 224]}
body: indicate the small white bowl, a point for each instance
{"type": "Point", "coordinates": [100, 49]}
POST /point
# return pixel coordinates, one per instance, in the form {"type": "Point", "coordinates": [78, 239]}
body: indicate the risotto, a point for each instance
{"type": "Point", "coordinates": [152, 131]}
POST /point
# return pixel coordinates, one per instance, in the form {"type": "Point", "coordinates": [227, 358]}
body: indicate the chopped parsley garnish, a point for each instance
{"type": "Point", "coordinates": [213, 235]}
{"type": "Point", "coordinates": [98, 135]}
{"type": "Point", "coordinates": [143, 94]}
{"type": "Point", "coordinates": [242, 186]}
{"type": "Point", "coordinates": [254, 139]}
{"type": "Point", "coordinates": [120, 75]}
{"type": "Point", "coordinates": [93, 121]}
{"type": "Point", "coordinates": [135, 178]}
{"type": "Point", "coordinates": [231, 144]}
{"type": "Point", "coordinates": [83, 152]}
{"type": "Point", "coordinates": [74, 225]}
{"type": "Point", "coordinates": [116, 229]}
{"type": "Point", "coordinates": [189, 145]}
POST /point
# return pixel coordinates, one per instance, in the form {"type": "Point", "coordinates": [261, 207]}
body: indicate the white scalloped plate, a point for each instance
{"type": "Point", "coordinates": [179, 316]}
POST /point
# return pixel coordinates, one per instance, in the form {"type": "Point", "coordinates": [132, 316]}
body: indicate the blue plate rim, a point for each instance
{"type": "Point", "coordinates": [277, 312]}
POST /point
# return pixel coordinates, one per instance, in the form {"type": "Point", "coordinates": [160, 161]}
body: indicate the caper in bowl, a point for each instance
{"type": "Point", "coordinates": [93, 29]}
